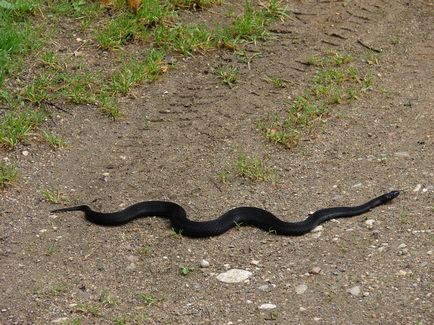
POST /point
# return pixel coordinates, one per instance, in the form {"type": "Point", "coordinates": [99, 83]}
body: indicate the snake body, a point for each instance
{"type": "Point", "coordinates": [245, 216]}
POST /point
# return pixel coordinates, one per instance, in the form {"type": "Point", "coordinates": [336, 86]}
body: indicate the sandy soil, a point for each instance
{"type": "Point", "coordinates": [181, 131]}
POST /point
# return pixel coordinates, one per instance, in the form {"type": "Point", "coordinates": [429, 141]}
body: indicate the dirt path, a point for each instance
{"type": "Point", "coordinates": [181, 131]}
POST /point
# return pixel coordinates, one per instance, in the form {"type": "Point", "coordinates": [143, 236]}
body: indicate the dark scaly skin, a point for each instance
{"type": "Point", "coordinates": [245, 216]}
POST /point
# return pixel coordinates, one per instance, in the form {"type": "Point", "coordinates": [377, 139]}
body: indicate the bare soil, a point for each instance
{"type": "Point", "coordinates": [181, 131]}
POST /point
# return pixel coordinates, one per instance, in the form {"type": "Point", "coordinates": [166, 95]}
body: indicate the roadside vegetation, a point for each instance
{"type": "Point", "coordinates": [37, 78]}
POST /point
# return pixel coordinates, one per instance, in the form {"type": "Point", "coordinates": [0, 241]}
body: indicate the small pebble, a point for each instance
{"type": "Point", "coordinates": [354, 291]}
{"type": "Point", "coordinates": [131, 267]}
{"type": "Point", "coordinates": [402, 246]}
{"type": "Point", "coordinates": [300, 289]}
{"type": "Point", "coordinates": [315, 270]}
{"type": "Point", "coordinates": [204, 263]}
{"type": "Point", "coordinates": [370, 223]}
{"type": "Point", "coordinates": [267, 306]}
{"type": "Point", "coordinates": [254, 262]}
{"type": "Point", "coordinates": [25, 153]}
{"type": "Point", "coordinates": [417, 188]}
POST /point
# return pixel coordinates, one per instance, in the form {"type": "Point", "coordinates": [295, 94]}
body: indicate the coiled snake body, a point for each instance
{"type": "Point", "coordinates": [245, 216]}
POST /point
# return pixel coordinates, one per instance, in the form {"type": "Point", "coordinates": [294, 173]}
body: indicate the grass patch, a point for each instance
{"type": "Point", "coordinates": [16, 127]}
{"type": "Point", "coordinates": [227, 74]}
{"type": "Point", "coordinates": [252, 168]}
{"type": "Point", "coordinates": [8, 174]}
{"type": "Point", "coordinates": [55, 141]}
{"type": "Point", "coordinates": [148, 299]}
{"type": "Point", "coordinates": [55, 197]}
{"type": "Point", "coordinates": [88, 308]}
{"type": "Point", "coordinates": [335, 82]}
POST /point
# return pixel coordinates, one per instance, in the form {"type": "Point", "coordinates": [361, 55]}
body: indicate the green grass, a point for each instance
{"type": "Point", "coordinates": [55, 141]}
{"type": "Point", "coordinates": [185, 270]}
{"type": "Point", "coordinates": [16, 127]}
{"type": "Point", "coordinates": [227, 74]}
{"type": "Point", "coordinates": [336, 81]}
{"type": "Point", "coordinates": [253, 168]}
{"type": "Point", "coordinates": [107, 299]}
{"type": "Point", "coordinates": [8, 174]}
{"type": "Point", "coordinates": [88, 308]}
{"type": "Point", "coordinates": [147, 299]}
{"type": "Point", "coordinates": [56, 197]}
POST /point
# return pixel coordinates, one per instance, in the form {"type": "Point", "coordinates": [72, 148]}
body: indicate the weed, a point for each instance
{"type": "Point", "coordinates": [252, 168]}
{"type": "Point", "coordinates": [57, 289]}
{"type": "Point", "coordinates": [139, 318]}
{"type": "Point", "coordinates": [144, 250]}
{"type": "Point", "coordinates": [224, 176]}
{"type": "Point", "coordinates": [8, 174]}
{"type": "Point", "coordinates": [51, 250]}
{"type": "Point", "coordinates": [185, 270]}
{"type": "Point", "coordinates": [109, 107]}
{"type": "Point", "coordinates": [55, 141]}
{"type": "Point", "coordinates": [15, 127]}
{"type": "Point", "coordinates": [88, 308]}
{"type": "Point", "coordinates": [148, 299]}
{"type": "Point", "coordinates": [238, 225]}
{"type": "Point", "coordinates": [228, 75]}
{"type": "Point", "coordinates": [403, 217]}
{"type": "Point", "coordinates": [107, 299]}
{"type": "Point", "coordinates": [332, 84]}
{"type": "Point", "coordinates": [55, 197]}
{"type": "Point", "coordinates": [277, 82]}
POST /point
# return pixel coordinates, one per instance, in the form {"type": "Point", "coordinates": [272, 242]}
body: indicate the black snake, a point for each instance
{"type": "Point", "coordinates": [245, 216]}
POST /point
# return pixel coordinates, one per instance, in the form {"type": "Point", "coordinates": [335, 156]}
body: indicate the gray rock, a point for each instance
{"type": "Point", "coordinates": [354, 291]}
{"type": "Point", "coordinates": [300, 289]}
{"type": "Point", "coordinates": [234, 276]}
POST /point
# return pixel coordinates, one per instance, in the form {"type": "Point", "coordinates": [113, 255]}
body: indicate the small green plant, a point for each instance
{"type": "Point", "coordinates": [54, 196]}
{"type": "Point", "coordinates": [252, 168]}
{"type": "Point", "coordinates": [238, 225]}
{"type": "Point", "coordinates": [228, 75]}
{"type": "Point", "coordinates": [110, 107]}
{"type": "Point", "coordinates": [88, 308]}
{"type": "Point", "coordinates": [51, 250]}
{"type": "Point", "coordinates": [185, 270]}
{"type": "Point", "coordinates": [224, 176]}
{"type": "Point", "coordinates": [107, 299]}
{"type": "Point", "coordinates": [403, 217]}
{"type": "Point", "coordinates": [8, 174]}
{"type": "Point", "coordinates": [278, 82]}
{"type": "Point", "coordinates": [148, 299]}
{"type": "Point", "coordinates": [144, 250]}
{"type": "Point", "coordinates": [54, 140]}
{"type": "Point", "coordinates": [57, 289]}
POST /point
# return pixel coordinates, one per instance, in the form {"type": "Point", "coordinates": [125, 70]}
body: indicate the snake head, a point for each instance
{"type": "Point", "coordinates": [390, 196]}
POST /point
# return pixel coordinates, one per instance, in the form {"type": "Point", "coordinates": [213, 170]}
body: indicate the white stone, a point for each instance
{"type": "Point", "coordinates": [204, 263]}
{"type": "Point", "coordinates": [354, 291]}
{"type": "Point", "coordinates": [402, 246]}
{"type": "Point", "coordinates": [25, 153]}
{"type": "Point", "coordinates": [300, 289]}
{"type": "Point", "coordinates": [234, 276]}
{"type": "Point", "coordinates": [417, 188]}
{"type": "Point", "coordinates": [267, 306]}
